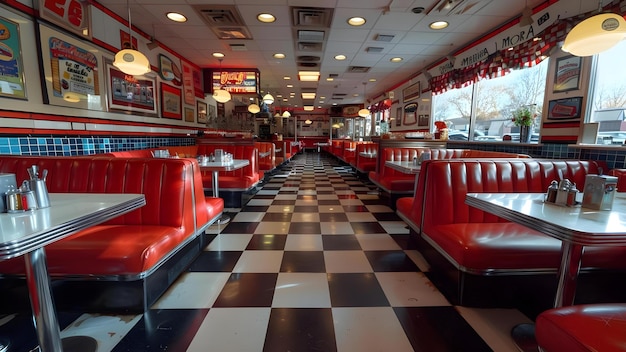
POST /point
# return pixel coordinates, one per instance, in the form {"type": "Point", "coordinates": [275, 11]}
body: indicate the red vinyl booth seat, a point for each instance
{"type": "Point", "coordinates": [267, 162]}
{"type": "Point", "coordinates": [365, 164]}
{"type": "Point", "coordinates": [583, 328]}
{"type": "Point", "coordinates": [479, 243]}
{"type": "Point", "coordinates": [134, 246]}
{"type": "Point", "coordinates": [238, 180]}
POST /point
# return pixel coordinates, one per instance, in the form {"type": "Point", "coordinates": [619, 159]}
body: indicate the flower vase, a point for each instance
{"type": "Point", "coordinates": [524, 134]}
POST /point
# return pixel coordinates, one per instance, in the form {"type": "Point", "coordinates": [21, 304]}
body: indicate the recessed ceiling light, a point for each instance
{"type": "Point", "coordinates": [356, 21]}
{"type": "Point", "coordinates": [266, 17]}
{"type": "Point", "coordinates": [290, 86]}
{"type": "Point", "coordinates": [355, 95]}
{"type": "Point", "coordinates": [176, 17]}
{"type": "Point", "coordinates": [286, 77]}
{"type": "Point", "coordinates": [396, 59]}
{"type": "Point", "coordinates": [279, 56]}
{"type": "Point", "coordinates": [322, 97]}
{"type": "Point", "coordinates": [438, 25]}
{"type": "Point", "coordinates": [340, 57]}
{"type": "Point", "coordinates": [329, 79]}
{"type": "Point", "coordinates": [372, 79]}
{"type": "Point", "coordinates": [218, 54]}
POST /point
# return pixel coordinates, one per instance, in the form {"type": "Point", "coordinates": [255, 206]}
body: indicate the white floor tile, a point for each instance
{"type": "Point", "coordinates": [377, 241]}
{"type": "Point", "coordinates": [350, 201]}
{"type": "Point", "coordinates": [107, 330]}
{"type": "Point", "coordinates": [286, 197]}
{"type": "Point", "coordinates": [280, 209]}
{"type": "Point", "coordinates": [378, 208]}
{"type": "Point", "coordinates": [494, 325]}
{"type": "Point", "coordinates": [395, 227]}
{"type": "Point", "coordinates": [410, 289]}
{"type": "Point", "coordinates": [369, 329]}
{"type": "Point", "coordinates": [259, 202]}
{"type": "Point", "coordinates": [330, 208]}
{"type": "Point", "coordinates": [304, 243]}
{"type": "Point", "coordinates": [259, 262]}
{"type": "Point", "coordinates": [229, 242]}
{"type": "Point", "coordinates": [346, 262]}
{"type": "Point", "coordinates": [248, 217]}
{"type": "Point", "coordinates": [418, 259]}
{"type": "Point", "coordinates": [327, 197]}
{"type": "Point", "coordinates": [301, 290]}
{"type": "Point", "coordinates": [305, 217]}
{"type": "Point", "coordinates": [193, 290]}
{"type": "Point", "coordinates": [360, 217]}
{"type": "Point", "coordinates": [232, 329]}
{"type": "Point", "coordinates": [336, 228]}
{"type": "Point", "coordinates": [272, 228]}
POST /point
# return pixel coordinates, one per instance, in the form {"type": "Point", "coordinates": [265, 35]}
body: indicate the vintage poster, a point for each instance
{"type": "Point", "coordinates": [567, 75]}
{"type": "Point", "coordinates": [74, 70]}
{"type": "Point", "coordinates": [11, 68]}
{"type": "Point", "coordinates": [188, 84]}
{"type": "Point", "coordinates": [197, 84]}
{"type": "Point", "coordinates": [169, 71]}
{"type": "Point", "coordinates": [170, 102]}
{"type": "Point", "coordinates": [131, 93]}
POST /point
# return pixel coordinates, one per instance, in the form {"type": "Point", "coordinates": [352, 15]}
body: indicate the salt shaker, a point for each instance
{"type": "Point", "coordinates": [553, 189]}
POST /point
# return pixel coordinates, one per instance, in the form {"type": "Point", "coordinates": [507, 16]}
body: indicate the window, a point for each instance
{"type": "Point", "coordinates": [483, 111]}
{"type": "Point", "coordinates": [608, 98]}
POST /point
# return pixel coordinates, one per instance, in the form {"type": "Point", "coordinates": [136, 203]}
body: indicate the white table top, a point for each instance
{"type": "Point", "coordinates": [574, 224]}
{"type": "Point", "coordinates": [406, 167]}
{"type": "Point", "coordinates": [218, 166]}
{"type": "Point", "coordinates": [23, 232]}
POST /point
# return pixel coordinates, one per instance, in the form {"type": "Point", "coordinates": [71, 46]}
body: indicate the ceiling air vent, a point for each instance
{"type": "Point", "coordinates": [333, 75]}
{"type": "Point", "coordinates": [308, 58]}
{"type": "Point", "coordinates": [309, 46]}
{"type": "Point", "coordinates": [316, 36]}
{"type": "Point", "coordinates": [308, 64]}
{"type": "Point", "coordinates": [358, 69]}
{"type": "Point", "coordinates": [373, 49]}
{"type": "Point", "coordinates": [215, 15]}
{"type": "Point", "coordinates": [238, 47]}
{"type": "Point", "coordinates": [231, 32]}
{"type": "Point", "coordinates": [384, 38]}
{"type": "Point", "coordinates": [311, 17]}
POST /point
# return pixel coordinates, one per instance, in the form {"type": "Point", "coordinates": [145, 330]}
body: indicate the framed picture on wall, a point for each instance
{"type": "Point", "coordinates": [398, 117]}
{"type": "Point", "coordinates": [190, 115]}
{"type": "Point", "coordinates": [410, 114]}
{"type": "Point", "coordinates": [12, 83]}
{"type": "Point", "coordinates": [170, 102]}
{"type": "Point", "coordinates": [567, 73]}
{"type": "Point", "coordinates": [130, 93]}
{"type": "Point", "coordinates": [412, 92]}
{"type": "Point", "coordinates": [565, 109]}
{"type": "Point", "coordinates": [423, 121]}
{"type": "Point", "coordinates": [201, 108]}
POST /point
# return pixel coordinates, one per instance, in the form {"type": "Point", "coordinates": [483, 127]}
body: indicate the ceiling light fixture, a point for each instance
{"type": "Point", "coordinates": [595, 34]}
{"type": "Point", "coordinates": [396, 59]}
{"type": "Point", "coordinates": [218, 55]}
{"type": "Point", "coordinates": [221, 95]}
{"type": "Point", "coordinates": [286, 113]}
{"type": "Point", "coordinates": [176, 17]}
{"type": "Point", "coordinates": [268, 98]}
{"type": "Point", "coordinates": [364, 112]}
{"type": "Point", "coordinates": [266, 17]}
{"type": "Point", "coordinates": [356, 21]}
{"type": "Point", "coordinates": [437, 25]}
{"type": "Point", "coordinates": [340, 57]}
{"type": "Point", "coordinates": [308, 76]}
{"type": "Point", "coordinates": [279, 56]}
{"type": "Point", "coordinates": [129, 61]}
{"type": "Point", "coordinates": [253, 108]}
{"type": "Point", "coordinates": [308, 122]}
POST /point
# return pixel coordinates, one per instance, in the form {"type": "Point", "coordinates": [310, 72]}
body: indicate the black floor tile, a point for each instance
{"type": "Point", "coordinates": [284, 202]}
{"type": "Point", "coordinates": [300, 329]}
{"type": "Point", "coordinates": [303, 262]}
{"type": "Point", "coordinates": [367, 227]}
{"type": "Point", "coordinates": [302, 228]}
{"type": "Point", "coordinates": [240, 227]}
{"type": "Point", "coordinates": [356, 290]}
{"type": "Point", "coordinates": [328, 202]}
{"type": "Point", "coordinates": [267, 242]}
{"type": "Point", "coordinates": [255, 208]}
{"type": "Point", "coordinates": [305, 209]}
{"type": "Point", "coordinates": [277, 217]}
{"type": "Point", "coordinates": [333, 217]}
{"type": "Point", "coordinates": [390, 261]}
{"type": "Point", "coordinates": [387, 216]}
{"type": "Point", "coordinates": [340, 242]}
{"type": "Point", "coordinates": [215, 261]}
{"type": "Point", "coordinates": [248, 290]}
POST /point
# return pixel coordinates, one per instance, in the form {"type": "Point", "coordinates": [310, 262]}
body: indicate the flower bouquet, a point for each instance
{"type": "Point", "coordinates": [441, 131]}
{"type": "Point", "coordinates": [523, 117]}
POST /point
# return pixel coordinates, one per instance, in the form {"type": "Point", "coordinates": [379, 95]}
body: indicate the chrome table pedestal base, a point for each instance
{"type": "Point", "coordinates": [524, 337]}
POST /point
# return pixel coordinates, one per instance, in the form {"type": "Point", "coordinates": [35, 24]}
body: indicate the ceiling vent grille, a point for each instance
{"type": "Point", "coordinates": [220, 15]}
{"type": "Point", "coordinates": [308, 58]}
{"type": "Point", "coordinates": [309, 46]}
{"type": "Point", "coordinates": [231, 32]}
{"type": "Point", "coordinates": [308, 64]}
{"type": "Point", "coordinates": [374, 49]}
{"type": "Point", "coordinates": [312, 17]}
{"type": "Point", "coordinates": [308, 36]}
{"type": "Point", "coordinates": [238, 47]}
{"type": "Point", "coordinates": [358, 69]}
{"type": "Point", "coordinates": [384, 37]}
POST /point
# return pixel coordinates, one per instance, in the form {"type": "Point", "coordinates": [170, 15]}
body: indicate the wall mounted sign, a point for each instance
{"type": "Point", "coordinates": [564, 109]}
{"type": "Point", "coordinates": [410, 114]}
{"type": "Point", "coordinates": [11, 69]}
{"type": "Point", "coordinates": [188, 84]}
{"type": "Point", "coordinates": [126, 41]}
{"type": "Point", "coordinates": [244, 81]}
{"type": "Point", "coordinates": [412, 92]}
{"type": "Point", "coordinates": [71, 71]}
{"type": "Point", "coordinates": [171, 106]}
{"type": "Point", "coordinates": [567, 73]}
{"type": "Point", "coordinates": [169, 71]}
{"type": "Point", "coordinates": [350, 111]}
{"type": "Point", "coordinates": [190, 115]}
{"type": "Point", "coordinates": [201, 108]}
{"type": "Point", "coordinates": [131, 93]}
{"type": "Point", "coordinates": [73, 15]}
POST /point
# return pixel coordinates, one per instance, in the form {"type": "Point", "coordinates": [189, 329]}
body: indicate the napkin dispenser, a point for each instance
{"type": "Point", "coordinates": [599, 192]}
{"type": "Point", "coordinates": [219, 155]}
{"type": "Point", "coordinates": [5, 181]}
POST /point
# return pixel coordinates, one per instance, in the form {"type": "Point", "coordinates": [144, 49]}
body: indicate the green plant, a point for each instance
{"type": "Point", "coordinates": [523, 116]}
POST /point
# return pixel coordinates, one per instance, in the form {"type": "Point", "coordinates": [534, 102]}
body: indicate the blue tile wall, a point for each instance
{"type": "Point", "coordinates": [67, 146]}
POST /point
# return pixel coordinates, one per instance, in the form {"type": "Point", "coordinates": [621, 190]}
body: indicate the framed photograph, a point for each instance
{"type": "Point", "coordinates": [412, 92]}
{"type": "Point", "coordinates": [71, 71]}
{"type": "Point", "coordinates": [12, 83]}
{"type": "Point", "coordinates": [130, 93]}
{"type": "Point", "coordinates": [423, 121]}
{"type": "Point", "coordinates": [410, 114]}
{"type": "Point", "coordinates": [190, 115]}
{"type": "Point", "coordinates": [398, 117]}
{"type": "Point", "coordinates": [565, 109]}
{"type": "Point", "coordinates": [212, 113]}
{"type": "Point", "coordinates": [170, 102]}
{"type": "Point", "coordinates": [201, 108]}
{"type": "Point", "coordinates": [567, 73]}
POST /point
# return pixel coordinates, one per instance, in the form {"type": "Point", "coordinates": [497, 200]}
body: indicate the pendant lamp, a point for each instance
{"type": "Point", "coordinates": [364, 112]}
{"type": "Point", "coordinates": [253, 108]}
{"type": "Point", "coordinates": [595, 34]}
{"type": "Point", "coordinates": [130, 61]}
{"type": "Point", "coordinates": [286, 113]}
{"type": "Point", "coordinates": [268, 98]}
{"type": "Point", "coordinates": [221, 95]}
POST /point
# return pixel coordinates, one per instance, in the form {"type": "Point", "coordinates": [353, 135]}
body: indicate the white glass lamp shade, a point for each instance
{"type": "Point", "coordinates": [221, 95]}
{"type": "Point", "coordinates": [253, 108]}
{"type": "Point", "coordinates": [595, 34]}
{"type": "Point", "coordinates": [286, 114]}
{"type": "Point", "coordinates": [132, 62]}
{"type": "Point", "coordinates": [268, 99]}
{"type": "Point", "coordinates": [364, 113]}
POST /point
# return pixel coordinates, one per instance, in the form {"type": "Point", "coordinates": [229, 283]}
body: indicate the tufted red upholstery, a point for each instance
{"type": "Point", "coordinates": [266, 163]}
{"type": "Point", "coordinates": [479, 242]}
{"type": "Point", "coordinates": [132, 243]}
{"type": "Point", "coordinates": [391, 180]}
{"type": "Point", "coordinates": [583, 328]}
{"type": "Point", "coordinates": [241, 179]}
{"type": "Point", "coordinates": [364, 164]}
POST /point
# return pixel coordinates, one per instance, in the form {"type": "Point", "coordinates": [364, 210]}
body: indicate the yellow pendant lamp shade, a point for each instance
{"type": "Point", "coordinates": [595, 34]}
{"type": "Point", "coordinates": [221, 95]}
{"type": "Point", "coordinates": [253, 108]}
{"type": "Point", "coordinates": [286, 113]}
{"type": "Point", "coordinates": [364, 113]}
{"type": "Point", "coordinates": [268, 99]}
{"type": "Point", "coordinates": [132, 62]}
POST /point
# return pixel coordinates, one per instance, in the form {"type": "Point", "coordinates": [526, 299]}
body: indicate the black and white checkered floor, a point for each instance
{"type": "Point", "coordinates": [314, 262]}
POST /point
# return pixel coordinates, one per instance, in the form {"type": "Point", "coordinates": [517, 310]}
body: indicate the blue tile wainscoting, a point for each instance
{"type": "Point", "coordinates": [78, 145]}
